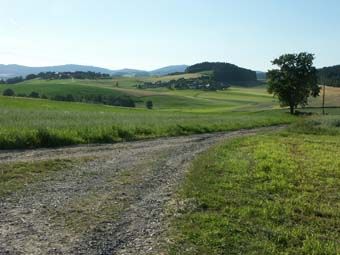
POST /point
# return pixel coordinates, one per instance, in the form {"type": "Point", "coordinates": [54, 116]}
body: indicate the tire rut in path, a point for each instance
{"type": "Point", "coordinates": [27, 224]}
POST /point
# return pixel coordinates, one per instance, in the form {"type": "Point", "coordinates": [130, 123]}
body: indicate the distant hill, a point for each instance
{"type": "Point", "coordinates": [130, 73]}
{"type": "Point", "coordinates": [168, 70]}
{"type": "Point", "coordinates": [261, 75]}
{"type": "Point", "coordinates": [8, 71]}
{"type": "Point", "coordinates": [224, 72]}
{"type": "Point", "coordinates": [329, 76]}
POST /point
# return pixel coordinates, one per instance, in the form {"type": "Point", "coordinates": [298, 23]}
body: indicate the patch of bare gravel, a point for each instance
{"type": "Point", "coordinates": [114, 204]}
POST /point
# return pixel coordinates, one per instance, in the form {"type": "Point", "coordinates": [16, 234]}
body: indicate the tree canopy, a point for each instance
{"type": "Point", "coordinates": [294, 81]}
{"type": "Point", "coordinates": [203, 83]}
{"type": "Point", "coordinates": [329, 76]}
{"type": "Point", "coordinates": [8, 92]}
{"type": "Point", "coordinates": [224, 72]}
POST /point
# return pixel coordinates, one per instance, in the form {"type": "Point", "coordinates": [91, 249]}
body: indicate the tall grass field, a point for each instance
{"type": "Point", "coordinates": [30, 123]}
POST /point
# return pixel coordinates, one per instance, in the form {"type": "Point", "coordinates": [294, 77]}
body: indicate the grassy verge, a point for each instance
{"type": "Point", "coordinates": [15, 176]}
{"type": "Point", "coordinates": [268, 194]}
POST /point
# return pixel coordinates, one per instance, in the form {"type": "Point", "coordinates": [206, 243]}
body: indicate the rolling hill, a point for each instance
{"type": "Point", "coordinates": [184, 100]}
{"type": "Point", "coordinates": [261, 75]}
{"type": "Point", "coordinates": [168, 70]}
{"type": "Point", "coordinates": [330, 76]}
{"type": "Point", "coordinates": [8, 71]}
{"type": "Point", "coordinates": [224, 72]}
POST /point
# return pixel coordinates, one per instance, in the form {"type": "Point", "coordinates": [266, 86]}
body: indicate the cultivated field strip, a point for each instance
{"type": "Point", "coordinates": [113, 204]}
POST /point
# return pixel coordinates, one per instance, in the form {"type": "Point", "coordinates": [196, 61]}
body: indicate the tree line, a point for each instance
{"type": "Point", "coordinates": [329, 76]}
{"type": "Point", "coordinates": [224, 72]}
{"type": "Point", "coordinates": [57, 76]}
{"type": "Point", "coordinates": [203, 83]}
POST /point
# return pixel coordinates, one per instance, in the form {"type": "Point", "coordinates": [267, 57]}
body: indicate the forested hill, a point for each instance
{"type": "Point", "coordinates": [224, 72]}
{"type": "Point", "coordinates": [329, 76]}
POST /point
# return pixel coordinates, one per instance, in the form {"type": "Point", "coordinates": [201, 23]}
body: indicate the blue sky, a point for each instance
{"type": "Point", "coordinates": [150, 34]}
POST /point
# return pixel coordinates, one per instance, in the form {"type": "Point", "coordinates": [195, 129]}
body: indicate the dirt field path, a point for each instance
{"type": "Point", "coordinates": [113, 204]}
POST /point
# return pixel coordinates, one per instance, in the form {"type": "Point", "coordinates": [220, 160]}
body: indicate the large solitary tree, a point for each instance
{"type": "Point", "coordinates": [294, 81]}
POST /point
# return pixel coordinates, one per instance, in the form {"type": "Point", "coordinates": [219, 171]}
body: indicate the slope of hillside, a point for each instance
{"type": "Point", "coordinates": [224, 72]}
{"type": "Point", "coordinates": [168, 70]}
{"type": "Point", "coordinates": [261, 75]}
{"type": "Point", "coordinates": [184, 100]}
{"type": "Point", "coordinates": [330, 76]}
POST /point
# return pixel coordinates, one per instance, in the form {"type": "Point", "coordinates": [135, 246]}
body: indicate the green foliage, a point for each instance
{"type": "Point", "coordinates": [24, 95]}
{"type": "Point", "coordinates": [203, 83]}
{"type": "Point", "coordinates": [327, 125]}
{"type": "Point", "coordinates": [67, 75]}
{"type": "Point", "coordinates": [8, 92]}
{"type": "Point", "coordinates": [70, 98]}
{"type": "Point", "coordinates": [149, 104]}
{"type": "Point", "coordinates": [14, 80]}
{"type": "Point", "coordinates": [295, 81]}
{"type": "Point", "coordinates": [34, 94]}
{"type": "Point", "coordinates": [224, 72]}
{"type": "Point", "coordinates": [268, 194]}
{"type": "Point", "coordinates": [329, 76]}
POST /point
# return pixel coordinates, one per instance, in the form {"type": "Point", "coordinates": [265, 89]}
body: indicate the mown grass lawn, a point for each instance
{"type": "Point", "coordinates": [275, 193]}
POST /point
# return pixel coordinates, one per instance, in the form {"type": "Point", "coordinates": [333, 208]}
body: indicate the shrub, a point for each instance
{"type": "Point", "coordinates": [69, 98]}
{"type": "Point", "coordinates": [48, 138]}
{"type": "Point", "coordinates": [336, 123]}
{"type": "Point", "coordinates": [59, 98]}
{"type": "Point", "coordinates": [126, 134]}
{"type": "Point", "coordinates": [31, 76]}
{"type": "Point", "coordinates": [149, 104]}
{"type": "Point", "coordinates": [34, 94]}
{"type": "Point", "coordinates": [125, 101]}
{"type": "Point", "coordinates": [8, 92]}
{"type": "Point", "coordinates": [15, 80]}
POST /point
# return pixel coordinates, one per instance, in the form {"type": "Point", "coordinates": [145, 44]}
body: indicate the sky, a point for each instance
{"type": "Point", "coordinates": [148, 34]}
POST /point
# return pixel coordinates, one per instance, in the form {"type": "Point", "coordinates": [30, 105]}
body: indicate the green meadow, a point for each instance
{"type": "Point", "coordinates": [161, 98]}
{"type": "Point", "coordinates": [30, 123]}
{"type": "Point", "coordinates": [275, 193]}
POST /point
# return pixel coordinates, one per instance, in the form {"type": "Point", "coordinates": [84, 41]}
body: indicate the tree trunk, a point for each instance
{"type": "Point", "coordinates": [292, 109]}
